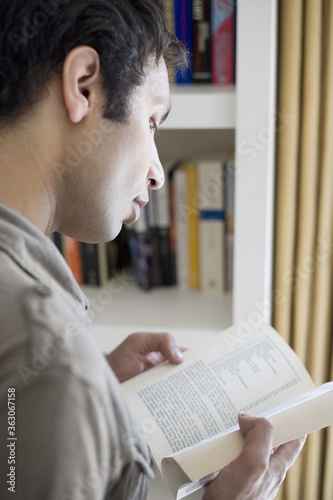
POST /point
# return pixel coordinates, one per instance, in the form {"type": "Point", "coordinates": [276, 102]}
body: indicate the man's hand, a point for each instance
{"type": "Point", "coordinates": [141, 351]}
{"type": "Point", "coordinates": [256, 473]}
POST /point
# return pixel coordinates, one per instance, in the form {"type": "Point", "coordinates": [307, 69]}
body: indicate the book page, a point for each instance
{"type": "Point", "coordinates": [303, 414]}
{"type": "Point", "coordinates": [201, 397]}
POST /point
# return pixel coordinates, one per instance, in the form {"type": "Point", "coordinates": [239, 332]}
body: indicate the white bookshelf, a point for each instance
{"type": "Point", "coordinates": [256, 69]}
{"type": "Point", "coordinates": [202, 107]}
{"type": "Point", "coordinates": [160, 307]}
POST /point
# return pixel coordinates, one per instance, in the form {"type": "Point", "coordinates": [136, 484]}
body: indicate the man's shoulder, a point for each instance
{"type": "Point", "coordinates": [13, 279]}
{"type": "Point", "coordinates": [17, 288]}
{"type": "Point", "coordinates": [23, 297]}
{"type": "Point", "coordinates": [37, 323]}
{"type": "Point", "coordinates": [41, 330]}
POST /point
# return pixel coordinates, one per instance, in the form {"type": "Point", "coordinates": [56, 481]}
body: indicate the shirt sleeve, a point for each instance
{"type": "Point", "coordinates": [63, 447]}
{"type": "Point", "coordinates": [75, 436]}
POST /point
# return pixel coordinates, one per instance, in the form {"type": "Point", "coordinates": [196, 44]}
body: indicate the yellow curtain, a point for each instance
{"type": "Point", "coordinates": [303, 269]}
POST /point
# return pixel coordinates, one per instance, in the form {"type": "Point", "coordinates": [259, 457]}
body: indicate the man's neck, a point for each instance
{"type": "Point", "coordinates": [24, 186]}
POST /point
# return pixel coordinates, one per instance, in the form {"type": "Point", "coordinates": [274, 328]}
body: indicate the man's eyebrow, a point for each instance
{"type": "Point", "coordinates": [166, 114]}
{"type": "Point", "coordinates": [167, 102]}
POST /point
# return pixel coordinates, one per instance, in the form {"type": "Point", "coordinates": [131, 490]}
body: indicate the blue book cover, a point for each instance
{"type": "Point", "coordinates": [184, 32]}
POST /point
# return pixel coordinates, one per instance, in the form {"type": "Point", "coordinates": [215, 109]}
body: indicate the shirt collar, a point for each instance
{"type": "Point", "coordinates": [36, 254]}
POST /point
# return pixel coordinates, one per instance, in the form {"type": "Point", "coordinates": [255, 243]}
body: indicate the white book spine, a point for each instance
{"type": "Point", "coordinates": [211, 226]}
{"type": "Point", "coordinates": [181, 229]}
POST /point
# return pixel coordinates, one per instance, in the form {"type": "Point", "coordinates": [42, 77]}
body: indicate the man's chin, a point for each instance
{"type": "Point", "coordinates": [134, 215]}
{"type": "Point", "coordinates": [102, 236]}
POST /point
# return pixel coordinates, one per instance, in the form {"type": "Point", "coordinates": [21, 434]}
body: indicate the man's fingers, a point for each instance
{"type": "Point", "coordinates": [159, 342]}
{"type": "Point", "coordinates": [257, 472]}
{"type": "Point", "coordinates": [258, 434]}
{"type": "Point", "coordinates": [261, 430]}
{"type": "Point", "coordinates": [168, 347]}
{"type": "Point", "coordinates": [287, 453]}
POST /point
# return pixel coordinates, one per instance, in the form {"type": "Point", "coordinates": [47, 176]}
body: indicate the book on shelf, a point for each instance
{"type": "Point", "coordinates": [192, 216]}
{"type": "Point", "coordinates": [57, 240]}
{"type": "Point", "coordinates": [201, 25]}
{"type": "Point", "coordinates": [95, 264]}
{"type": "Point", "coordinates": [211, 226]}
{"type": "Point", "coordinates": [181, 239]}
{"type": "Point", "coordinates": [184, 32]}
{"type": "Point", "coordinates": [229, 197]}
{"type": "Point", "coordinates": [169, 16]}
{"type": "Point", "coordinates": [168, 7]}
{"type": "Point", "coordinates": [160, 203]}
{"type": "Point", "coordinates": [208, 30]}
{"type": "Point", "coordinates": [188, 412]}
{"type": "Point", "coordinates": [152, 228]}
{"type": "Point", "coordinates": [200, 191]}
{"type": "Point", "coordinates": [172, 231]}
{"type": "Point", "coordinates": [72, 253]}
{"type": "Point", "coordinates": [139, 241]}
{"type": "Point", "coordinates": [223, 42]}
{"type": "Point", "coordinates": [187, 225]}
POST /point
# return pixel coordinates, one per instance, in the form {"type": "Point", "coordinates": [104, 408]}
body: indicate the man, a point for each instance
{"type": "Point", "coordinates": [78, 72]}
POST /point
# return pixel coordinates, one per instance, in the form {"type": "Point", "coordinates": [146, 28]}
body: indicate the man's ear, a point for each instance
{"type": "Point", "coordinates": [81, 71]}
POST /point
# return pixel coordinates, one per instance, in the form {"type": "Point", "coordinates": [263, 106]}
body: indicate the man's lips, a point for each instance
{"type": "Point", "coordinates": [138, 204]}
{"type": "Point", "coordinates": [141, 203]}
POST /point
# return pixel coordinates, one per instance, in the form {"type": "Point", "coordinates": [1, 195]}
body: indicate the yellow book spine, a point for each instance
{"type": "Point", "coordinates": [193, 227]}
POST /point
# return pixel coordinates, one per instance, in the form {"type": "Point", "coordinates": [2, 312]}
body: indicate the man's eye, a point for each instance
{"type": "Point", "coordinates": [153, 126]}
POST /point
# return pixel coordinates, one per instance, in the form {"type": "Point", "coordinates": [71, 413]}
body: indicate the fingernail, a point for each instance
{"type": "Point", "coordinates": [178, 353]}
{"type": "Point", "coordinates": [245, 414]}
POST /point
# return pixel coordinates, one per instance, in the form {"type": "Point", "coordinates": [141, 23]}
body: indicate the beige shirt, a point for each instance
{"type": "Point", "coordinates": [70, 435]}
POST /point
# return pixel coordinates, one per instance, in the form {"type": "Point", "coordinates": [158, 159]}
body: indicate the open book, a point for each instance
{"type": "Point", "coordinates": [188, 412]}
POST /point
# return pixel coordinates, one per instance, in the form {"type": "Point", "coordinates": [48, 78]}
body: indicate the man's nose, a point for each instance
{"type": "Point", "coordinates": [156, 173]}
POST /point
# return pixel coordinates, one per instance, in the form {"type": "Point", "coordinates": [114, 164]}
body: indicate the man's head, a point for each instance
{"type": "Point", "coordinates": [87, 83]}
{"type": "Point", "coordinates": [37, 35]}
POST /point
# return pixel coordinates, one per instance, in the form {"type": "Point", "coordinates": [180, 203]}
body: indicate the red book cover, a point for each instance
{"type": "Point", "coordinates": [223, 42]}
{"type": "Point", "coordinates": [72, 250]}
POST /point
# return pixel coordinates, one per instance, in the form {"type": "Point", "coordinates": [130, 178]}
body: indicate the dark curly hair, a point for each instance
{"type": "Point", "coordinates": [37, 35]}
